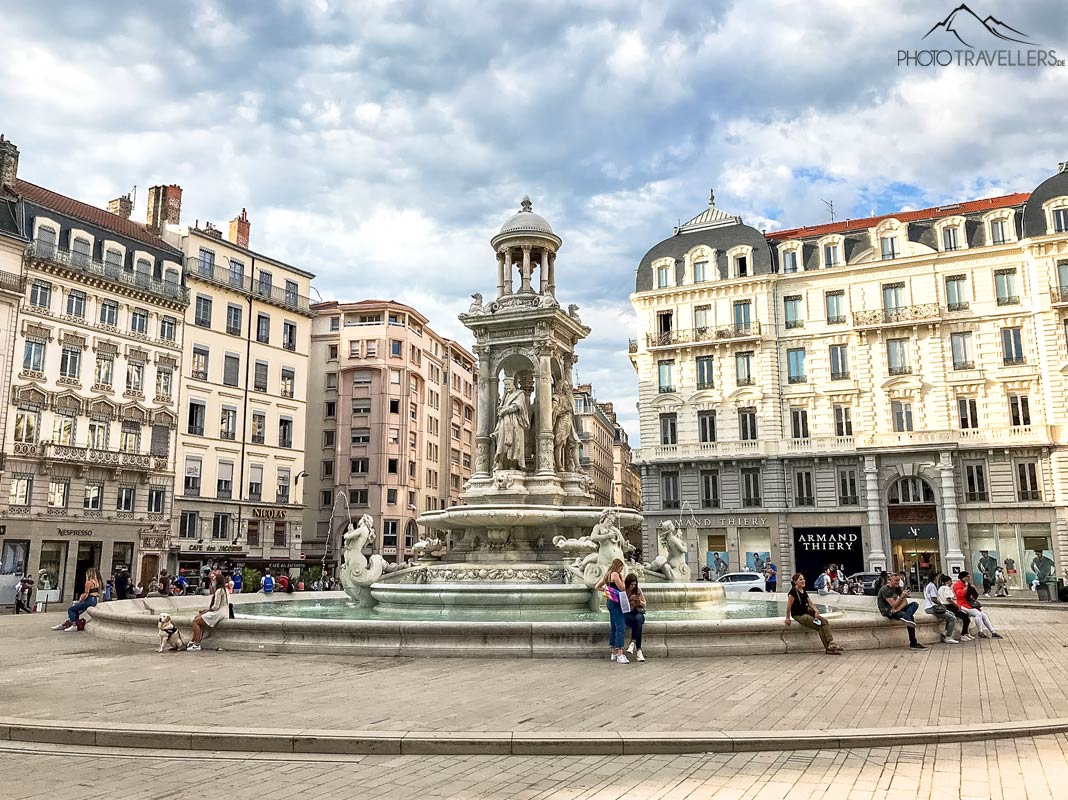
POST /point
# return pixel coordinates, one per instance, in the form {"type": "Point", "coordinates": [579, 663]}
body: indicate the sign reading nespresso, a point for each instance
{"type": "Point", "coordinates": [816, 548]}
{"type": "Point", "coordinates": [75, 532]}
{"type": "Point", "coordinates": [269, 513]}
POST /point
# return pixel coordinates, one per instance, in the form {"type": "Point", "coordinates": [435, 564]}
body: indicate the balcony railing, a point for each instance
{"type": "Point", "coordinates": [118, 459]}
{"type": "Point", "coordinates": [1030, 494]}
{"type": "Point", "coordinates": [901, 370]}
{"type": "Point", "coordinates": [12, 283]}
{"type": "Point", "coordinates": [976, 497]}
{"type": "Point", "coordinates": [705, 385]}
{"type": "Point", "coordinates": [791, 324]}
{"type": "Point", "coordinates": [1014, 361]}
{"type": "Point", "coordinates": [963, 306]}
{"type": "Point", "coordinates": [745, 381]}
{"type": "Point", "coordinates": [698, 335]}
{"type": "Point", "coordinates": [665, 389]}
{"type": "Point", "coordinates": [225, 434]}
{"type": "Point", "coordinates": [76, 262]}
{"type": "Point", "coordinates": [963, 365]}
{"type": "Point", "coordinates": [1059, 294]}
{"type": "Point", "coordinates": [222, 276]}
{"type": "Point", "coordinates": [896, 316]}
{"type": "Point", "coordinates": [1009, 300]}
{"type": "Point", "coordinates": [849, 500]}
{"type": "Point", "coordinates": [840, 376]}
{"type": "Point", "coordinates": [196, 430]}
{"type": "Point", "coordinates": [837, 319]}
{"type": "Point", "coordinates": [798, 379]}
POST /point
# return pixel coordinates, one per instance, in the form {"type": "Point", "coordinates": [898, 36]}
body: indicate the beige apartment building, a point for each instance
{"type": "Point", "coordinates": [627, 482]}
{"type": "Point", "coordinates": [596, 437]}
{"type": "Point", "coordinates": [87, 474]}
{"type": "Point", "coordinates": [392, 425]}
{"type": "Point", "coordinates": [882, 392]}
{"type": "Point", "coordinates": [239, 486]}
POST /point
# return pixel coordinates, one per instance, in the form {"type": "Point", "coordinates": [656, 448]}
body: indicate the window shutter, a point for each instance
{"type": "Point", "coordinates": [161, 440]}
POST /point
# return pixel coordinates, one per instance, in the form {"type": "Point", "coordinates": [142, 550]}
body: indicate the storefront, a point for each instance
{"type": "Point", "coordinates": [731, 543]}
{"type": "Point", "coordinates": [816, 548]}
{"type": "Point", "coordinates": [1022, 547]}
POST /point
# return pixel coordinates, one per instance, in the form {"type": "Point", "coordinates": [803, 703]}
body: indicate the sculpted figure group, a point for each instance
{"type": "Point", "coordinates": [514, 421]}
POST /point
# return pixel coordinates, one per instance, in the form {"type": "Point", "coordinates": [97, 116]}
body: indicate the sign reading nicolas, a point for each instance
{"type": "Point", "coordinates": [269, 513]}
{"type": "Point", "coordinates": [815, 548]}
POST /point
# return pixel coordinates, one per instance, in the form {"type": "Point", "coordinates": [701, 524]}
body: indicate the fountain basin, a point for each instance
{"type": "Point", "coordinates": [439, 598]}
{"type": "Point", "coordinates": [857, 626]}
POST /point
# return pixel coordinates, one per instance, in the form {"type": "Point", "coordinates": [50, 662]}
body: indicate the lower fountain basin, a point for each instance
{"type": "Point", "coordinates": [438, 597]}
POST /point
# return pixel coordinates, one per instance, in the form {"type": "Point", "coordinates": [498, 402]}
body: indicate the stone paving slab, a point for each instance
{"type": "Point", "coordinates": [1035, 769]}
{"type": "Point", "coordinates": [51, 675]}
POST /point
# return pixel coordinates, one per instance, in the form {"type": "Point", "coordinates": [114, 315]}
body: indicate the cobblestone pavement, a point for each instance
{"type": "Point", "coordinates": [1024, 768]}
{"type": "Point", "coordinates": [50, 675]}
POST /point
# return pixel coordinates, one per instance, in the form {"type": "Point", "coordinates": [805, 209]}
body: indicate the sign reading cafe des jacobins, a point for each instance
{"type": "Point", "coordinates": [966, 39]}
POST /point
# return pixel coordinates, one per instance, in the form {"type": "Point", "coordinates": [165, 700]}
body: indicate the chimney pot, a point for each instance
{"type": "Point", "coordinates": [239, 229]}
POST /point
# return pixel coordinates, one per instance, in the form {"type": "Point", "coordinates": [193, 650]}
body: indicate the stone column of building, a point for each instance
{"type": "Point", "coordinates": [508, 285]}
{"type": "Point", "coordinates": [500, 274]}
{"type": "Point", "coordinates": [954, 556]}
{"type": "Point", "coordinates": [483, 464]}
{"type": "Point", "coordinates": [544, 271]}
{"type": "Point", "coordinates": [552, 274]}
{"type": "Point", "coordinates": [546, 464]}
{"type": "Point", "coordinates": [876, 554]}
{"type": "Point", "coordinates": [525, 287]}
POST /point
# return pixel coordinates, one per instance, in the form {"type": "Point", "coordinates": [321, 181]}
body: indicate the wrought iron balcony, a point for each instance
{"type": "Point", "coordinates": [745, 381]}
{"type": "Point", "coordinates": [1030, 494]}
{"type": "Point", "coordinates": [976, 497]}
{"type": "Point", "coordinates": [902, 370]}
{"type": "Point", "coordinates": [223, 276]}
{"type": "Point", "coordinates": [664, 389]}
{"type": "Point", "coordinates": [1059, 294]}
{"type": "Point", "coordinates": [699, 335]}
{"type": "Point", "coordinates": [896, 316]}
{"type": "Point", "coordinates": [794, 323]}
{"type": "Point", "coordinates": [12, 283]}
{"type": "Point", "coordinates": [116, 275]}
{"type": "Point", "coordinates": [840, 376]}
{"type": "Point", "coordinates": [963, 365]}
{"type": "Point", "coordinates": [1009, 300]}
{"type": "Point", "coordinates": [849, 500]}
{"type": "Point", "coordinates": [963, 306]}
{"type": "Point", "coordinates": [1014, 361]}
{"type": "Point", "coordinates": [837, 319]}
{"type": "Point", "coordinates": [798, 379]}
{"type": "Point", "coordinates": [115, 459]}
{"type": "Point", "coordinates": [225, 434]}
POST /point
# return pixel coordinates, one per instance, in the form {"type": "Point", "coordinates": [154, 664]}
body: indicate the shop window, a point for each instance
{"type": "Point", "coordinates": [910, 490]}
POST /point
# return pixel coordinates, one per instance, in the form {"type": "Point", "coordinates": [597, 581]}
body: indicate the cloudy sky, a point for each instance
{"type": "Point", "coordinates": [381, 144]}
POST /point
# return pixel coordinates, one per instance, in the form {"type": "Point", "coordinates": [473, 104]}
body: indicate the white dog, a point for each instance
{"type": "Point", "coordinates": [168, 630]}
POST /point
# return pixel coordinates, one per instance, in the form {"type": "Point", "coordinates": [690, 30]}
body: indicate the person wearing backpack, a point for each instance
{"type": "Point", "coordinates": [267, 583]}
{"type": "Point", "coordinates": [824, 584]}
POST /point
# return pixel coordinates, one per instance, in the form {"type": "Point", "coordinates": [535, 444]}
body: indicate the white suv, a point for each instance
{"type": "Point", "coordinates": [741, 582]}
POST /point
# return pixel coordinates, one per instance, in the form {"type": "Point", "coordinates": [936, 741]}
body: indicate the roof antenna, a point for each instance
{"type": "Point", "coordinates": [830, 208]}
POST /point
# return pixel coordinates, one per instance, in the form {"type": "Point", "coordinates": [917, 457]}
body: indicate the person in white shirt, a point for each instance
{"type": "Point", "coordinates": [949, 601]}
{"type": "Point", "coordinates": [933, 605]}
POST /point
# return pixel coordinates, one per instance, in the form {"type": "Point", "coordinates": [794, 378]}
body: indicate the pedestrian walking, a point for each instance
{"type": "Point", "coordinates": [635, 618]}
{"type": "Point", "coordinates": [615, 596]}
{"type": "Point", "coordinates": [933, 605]}
{"type": "Point", "coordinates": [988, 566]}
{"type": "Point", "coordinates": [893, 602]}
{"type": "Point", "coordinates": [90, 596]}
{"type": "Point", "coordinates": [23, 593]}
{"type": "Point", "coordinates": [1001, 585]}
{"type": "Point", "coordinates": [801, 609]}
{"type": "Point", "coordinates": [216, 612]}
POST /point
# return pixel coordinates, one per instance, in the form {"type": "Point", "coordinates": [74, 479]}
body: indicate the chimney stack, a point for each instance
{"type": "Point", "coordinates": [121, 206]}
{"type": "Point", "coordinates": [164, 207]}
{"type": "Point", "coordinates": [9, 162]}
{"type": "Point", "coordinates": [239, 229]}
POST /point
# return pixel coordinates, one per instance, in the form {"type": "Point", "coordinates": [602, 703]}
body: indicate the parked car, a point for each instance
{"type": "Point", "coordinates": [741, 582]}
{"type": "Point", "coordinates": [866, 580]}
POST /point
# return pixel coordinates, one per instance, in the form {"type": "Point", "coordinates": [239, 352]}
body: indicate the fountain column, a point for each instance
{"type": "Point", "coordinates": [552, 274]}
{"type": "Point", "coordinates": [508, 272]}
{"type": "Point", "coordinates": [525, 271]}
{"type": "Point", "coordinates": [483, 438]}
{"type": "Point", "coordinates": [500, 274]}
{"type": "Point", "coordinates": [546, 463]}
{"type": "Point", "coordinates": [544, 276]}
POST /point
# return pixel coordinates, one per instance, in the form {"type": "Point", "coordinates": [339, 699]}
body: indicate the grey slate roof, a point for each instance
{"type": "Point", "coordinates": [1034, 220]}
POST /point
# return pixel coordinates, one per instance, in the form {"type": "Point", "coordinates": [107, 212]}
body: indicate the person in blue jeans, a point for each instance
{"type": "Point", "coordinates": [89, 598]}
{"type": "Point", "coordinates": [635, 618]}
{"type": "Point", "coordinates": [613, 585]}
{"type": "Point", "coordinates": [893, 601]}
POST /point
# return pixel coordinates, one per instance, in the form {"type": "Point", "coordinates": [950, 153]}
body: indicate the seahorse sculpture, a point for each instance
{"type": "Point", "coordinates": [358, 574]}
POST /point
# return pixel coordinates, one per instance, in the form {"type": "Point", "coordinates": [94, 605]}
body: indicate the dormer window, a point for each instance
{"type": "Point", "coordinates": [789, 261]}
{"type": "Point", "coordinates": [997, 231]}
{"type": "Point", "coordinates": [741, 266]}
{"type": "Point", "coordinates": [700, 271]}
{"type": "Point", "coordinates": [81, 249]}
{"type": "Point", "coordinates": [950, 238]}
{"type": "Point", "coordinates": [830, 255]}
{"type": "Point", "coordinates": [740, 259]}
{"type": "Point", "coordinates": [1060, 220]}
{"type": "Point", "coordinates": [889, 248]}
{"type": "Point", "coordinates": [663, 276]}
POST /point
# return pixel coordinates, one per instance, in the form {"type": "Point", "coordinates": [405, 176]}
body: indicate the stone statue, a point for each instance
{"type": "Point", "coordinates": [572, 311]}
{"type": "Point", "coordinates": [429, 547]}
{"type": "Point", "coordinates": [476, 304]}
{"type": "Point", "coordinates": [671, 566]}
{"type": "Point", "coordinates": [357, 574]}
{"type": "Point", "coordinates": [565, 439]}
{"type": "Point", "coordinates": [605, 540]}
{"type": "Point", "coordinates": [513, 421]}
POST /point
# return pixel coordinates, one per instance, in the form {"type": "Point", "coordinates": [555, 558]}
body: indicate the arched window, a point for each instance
{"type": "Point", "coordinates": [411, 533]}
{"type": "Point", "coordinates": [910, 491]}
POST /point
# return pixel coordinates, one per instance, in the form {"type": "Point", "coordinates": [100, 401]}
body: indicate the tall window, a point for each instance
{"type": "Point", "coordinates": [799, 423]}
{"type": "Point", "coordinates": [21, 490]}
{"type": "Point", "coordinates": [33, 355]}
{"type": "Point", "coordinates": [135, 377]}
{"type": "Point", "coordinates": [669, 489]}
{"type": "Point", "coordinates": [741, 266]}
{"type": "Point", "coordinates": [206, 262]}
{"type": "Point", "coordinates": [704, 372]}
{"type": "Point", "coordinates": [951, 237]}
{"type": "Point", "coordinates": [792, 311]}
{"type": "Point", "coordinates": [669, 429]}
{"type": "Point", "coordinates": [197, 414]}
{"type": "Point", "coordinates": [663, 277]}
{"type": "Point", "coordinates": [233, 319]}
{"type": "Point", "coordinates": [157, 498]}
{"type": "Point", "coordinates": [1027, 483]}
{"type": "Point", "coordinates": [795, 365]}
{"type": "Point", "coordinates": [702, 318]}
{"type": "Point", "coordinates": [93, 497]}
{"type": "Point", "coordinates": [259, 378]}
{"type": "Point", "coordinates": [237, 273]}
{"type": "Point", "coordinates": [747, 423]}
{"type": "Point", "coordinates": [98, 434]}
{"type": "Point", "coordinates": [255, 481]}
{"type": "Point", "coordinates": [139, 321]}
{"type": "Point", "coordinates": [288, 383]}
{"type": "Point", "coordinates": [742, 311]}
{"type": "Point", "coordinates": [666, 372]}
{"type": "Point", "coordinates": [200, 363]}
{"type": "Point", "coordinates": [750, 486]}
{"type": "Point", "coordinates": [888, 247]}
{"type": "Point", "coordinates": [967, 413]}
{"type": "Point", "coordinates": [960, 345]}
{"type": "Point", "coordinates": [709, 488]}
{"type": "Point", "coordinates": [103, 375]}
{"type": "Point", "coordinates": [125, 500]}
{"type": "Point", "coordinates": [839, 362]}
{"type": "Point", "coordinates": [830, 255]}
{"type": "Point", "coordinates": [1012, 346]}
{"type": "Point", "coordinates": [789, 261]}
{"type": "Point", "coordinates": [835, 302]}
{"type": "Point", "coordinates": [957, 292]}
{"type": "Point", "coordinates": [258, 432]}
{"type": "Point", "coordinates": [40, 294]}
{"type": "Point", "coordinates": [843, 420]}
{"type": "Point", "coordinates": [289, 335]}
{"type": "Point", "coordinates": [202, 312]}
{"type": "Point", "coordinates": [109, 314]}
{"type": "Point", "coordinates": [76, 304]}
{"type": "Point", "coordinates": [265, 283]}
{"type": "Point", "coordinates": [997, 231]}
{"type": "Point", "coordinates": [231, 369]}
{"type": "Point", "coordinates": [1005, 287]}
{"type": "Point", "coordinates": [70, 362]}
{"type": "Point", "coordinates": [706, 426]}
{"type": "Point", "coordinates": [743, 367]}
{"type": "Point", "coordinates": [910, 490]}
{"type": "Point", "coordinates": [901, 412]}
{"type": "Point", "coordinates": [700, 271]}
{"type": "Point", "coordinates": [65, 429]}
{"type": "Point", "coordinates": [191, 485]}
{"type": "Point", "coordinates": [847, 486]}
{"type": "Point", "coordinates": [228, 423]}
{"type": "Point", "coordinates": [189, 525]}
{"type": "Point", "coordinates": [804, 495]}
{"type": "Point", "coordinates": [285, 432]}
{"type": "Point", "coordinates": [975, 482]}
{"type": "Point", "coordinates": [893, 296]}
{"type": "Point", "coordinates": [1019, 410]}
{"type": "Point", "coordinates": [1062, 275]}
{"type": "Point", "coordinates": [220, 526]}
{"type": "Point", "coordinates": [168, 327]}
{"type": "Point", "coordinates": [897, 356]}
{"type": "Point", "coordinates": [1060, 220]}
{"type": "Point", "coordinates": [26, 425]}
{"type": "Point", "coordinates": [263, 328]}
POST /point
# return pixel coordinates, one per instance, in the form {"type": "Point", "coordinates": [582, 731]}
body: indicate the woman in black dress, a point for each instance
{"type": "Point", "coordinates": [801, 609]}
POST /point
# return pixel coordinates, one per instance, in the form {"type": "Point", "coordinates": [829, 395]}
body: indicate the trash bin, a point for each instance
{"type": "Point", "coordinates": [1047, 591]}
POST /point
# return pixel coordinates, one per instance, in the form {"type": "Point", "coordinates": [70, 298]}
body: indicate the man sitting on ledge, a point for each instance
{"type": "Point", "coordinates": [894, 603]}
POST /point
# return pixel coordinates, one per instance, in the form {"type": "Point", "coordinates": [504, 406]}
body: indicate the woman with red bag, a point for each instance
{"type": "Point", "coordinates": [615, 597]}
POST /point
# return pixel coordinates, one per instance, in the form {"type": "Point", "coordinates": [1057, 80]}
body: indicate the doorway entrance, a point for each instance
{"type": "Point", "coordinates": [88, 556]}
{"type": "Point", "coordinates": [914, 540]}
{"type": "Point", "coordinates": [149, 570]}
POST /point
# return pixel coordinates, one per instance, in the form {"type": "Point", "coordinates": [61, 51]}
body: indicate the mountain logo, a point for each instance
{"type": "Point", "coordinates": [966, 26]}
